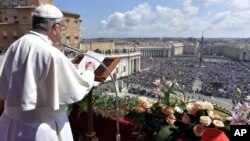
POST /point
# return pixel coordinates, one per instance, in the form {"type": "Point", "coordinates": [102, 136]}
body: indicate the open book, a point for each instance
{"type": "Point", "coordinates": [90, 56]}
{"type": "Point", "coordinates": [101, 73]}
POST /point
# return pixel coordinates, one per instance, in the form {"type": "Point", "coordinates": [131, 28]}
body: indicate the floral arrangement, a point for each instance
{"type": "Point", "coordinates": [170, 116]}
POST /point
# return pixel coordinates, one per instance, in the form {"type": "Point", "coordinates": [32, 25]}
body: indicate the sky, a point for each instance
{"type": "Point", "coordinates": [161, 18]}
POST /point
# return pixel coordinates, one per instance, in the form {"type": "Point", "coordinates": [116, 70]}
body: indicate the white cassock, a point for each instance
{"type": "Point", "coordinates": [36, 82]}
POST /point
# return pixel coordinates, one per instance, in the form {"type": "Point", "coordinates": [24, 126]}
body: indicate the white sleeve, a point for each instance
{"type": "Point", "coordinates": [64, 84]}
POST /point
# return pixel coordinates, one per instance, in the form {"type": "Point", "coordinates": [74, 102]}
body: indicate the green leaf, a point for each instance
{"type": "Point", "coordinates": [248, 115]}
{"type": "Point", "coordinates": [180, 107]}
{"type": "Point", "coordinates": [167, 133]}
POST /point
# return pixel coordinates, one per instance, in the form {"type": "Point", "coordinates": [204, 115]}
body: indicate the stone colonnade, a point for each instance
{"type": "Point", "coordinates": [147, 52]}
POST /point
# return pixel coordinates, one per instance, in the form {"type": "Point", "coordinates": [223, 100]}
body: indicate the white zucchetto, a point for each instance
{"type": "Point", "coordinates": [48, 11]}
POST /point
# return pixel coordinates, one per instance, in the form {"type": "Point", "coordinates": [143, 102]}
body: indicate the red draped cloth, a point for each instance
{"type": "Point", "coordinates": [105, 128]}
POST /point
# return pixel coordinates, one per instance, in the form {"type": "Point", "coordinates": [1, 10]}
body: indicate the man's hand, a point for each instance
{"type": "Point", "coordinates": [90, 66]}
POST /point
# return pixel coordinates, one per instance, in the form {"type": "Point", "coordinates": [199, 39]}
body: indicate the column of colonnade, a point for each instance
{"type": "Point", "coordinates": [164, 53]}
{"type": "Point", "coordinates": [139, 61]}
{"type": "Point", "coordinates": [134, 65]}
{"type": "Point", "coordinates": [247, 56]}
{"type": "Point", "coordinates": [137, 64]}
{"type": "Point", "coordinates": [131, 66]}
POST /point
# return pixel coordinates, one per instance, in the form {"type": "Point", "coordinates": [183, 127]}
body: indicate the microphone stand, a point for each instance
{"type": "Point", "coordinates": [113, 82]}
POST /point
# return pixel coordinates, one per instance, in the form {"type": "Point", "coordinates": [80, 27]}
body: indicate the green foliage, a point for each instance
{"type": "Point", "coordinates": [104, 104]}
{"type": "Point", "coordinates": [167, 133]}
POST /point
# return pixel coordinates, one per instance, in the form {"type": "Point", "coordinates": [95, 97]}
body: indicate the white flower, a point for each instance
{"type": "Point", "coordinates": [168, 84]}
{"type": "Point", "coordinates": [218, 123]}
{"type": "Point", "coordinates": [157, 82]}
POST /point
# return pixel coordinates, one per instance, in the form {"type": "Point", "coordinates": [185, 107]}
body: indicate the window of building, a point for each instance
{"type": "Point", "coordinates": [67, 41]}
{"type": "Point", "coordinates": [25, 19]}
{"type": "Point", "coordinates": [4, 12]}
{"type": "Point", "coordinates": [22, 2]}
{"type": "Point", "coordinates": [67, 22]}
{"type": "Point", "coordinates": [76, 39]}
{"type": "Point", "coordinates": [124, 68]}
{"type": "Point", "coordinates": [5, 34]}
{"type": "Point", "coordinates": [76, 23]}
{"type": "Point", "coordinates": [67, 37]}
{"type": "Point", "coordinates": [14, 2]}
{"type": "Point", "coordinates": [14, 34]}
{"type": "Point", "coordinates": [6, 19]}
{"type": "Point", "coordinates": [5, 2]}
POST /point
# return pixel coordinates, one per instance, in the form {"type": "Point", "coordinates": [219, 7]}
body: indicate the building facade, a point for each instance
{"type": "Point", "coordinates": [234, 50]}
{"type": "Point", "coordinates": [102, 45]}
{"type": "Point", "coordinates": [16, 20]}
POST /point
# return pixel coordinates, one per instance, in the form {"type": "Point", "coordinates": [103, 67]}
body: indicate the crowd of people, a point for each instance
{"type": "Point", "coordinates": [219, 77]}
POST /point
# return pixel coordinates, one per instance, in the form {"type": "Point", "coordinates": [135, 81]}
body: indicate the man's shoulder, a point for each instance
{"type": "Point", "coordinates": [37, 45]}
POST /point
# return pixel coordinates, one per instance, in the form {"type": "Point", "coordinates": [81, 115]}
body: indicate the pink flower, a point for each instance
{"type": "Point", "coordinates": [168, 111]}
{"type": "Point", "coordinates": [156, 91]}
{"type": "Point", "coordinates": [205, 120]}
{"type": "Point", "coordinates": [245, 107]}
{"type": "Point", "coordinates": [192, 109]}
{"type": "Point", "coordinates": [171, 119]}
{"type": "Point", "coordinates": [143, 105]}
{"type": "Point", "coordinates": [239, 118]}
{"type": "Point", "coordinates": [198, 130]}
{"type": "Point", "coordinates": [140, 109]}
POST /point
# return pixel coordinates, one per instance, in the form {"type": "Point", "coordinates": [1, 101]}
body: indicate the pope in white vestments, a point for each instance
{"type": "Point", "coordinates": [37, 82]}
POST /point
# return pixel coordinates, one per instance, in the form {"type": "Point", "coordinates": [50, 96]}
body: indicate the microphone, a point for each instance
{"type": "Point", "coordinates": [113, 82]}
